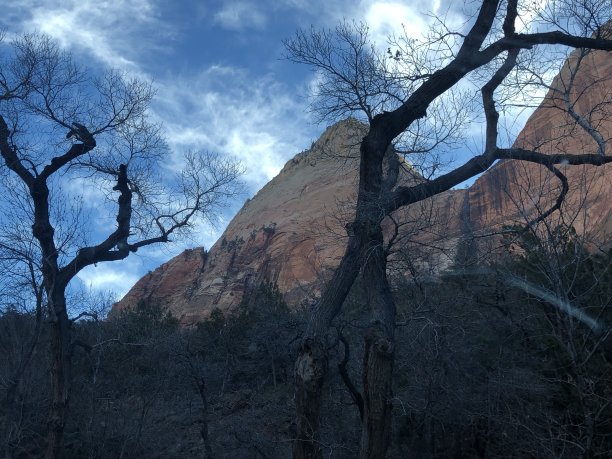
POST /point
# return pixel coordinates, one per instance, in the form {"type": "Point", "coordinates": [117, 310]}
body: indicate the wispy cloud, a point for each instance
{"type": "Point", "coordinates": [240, 16]}
{"type": "Point", "coordinates": [385, 18]}
{"type": "Point", "coordinates": [256, 120]}
{"type": "Point", "coordinates": [117, 277]}
{"type": "Point", "coordinates": [104, 30]}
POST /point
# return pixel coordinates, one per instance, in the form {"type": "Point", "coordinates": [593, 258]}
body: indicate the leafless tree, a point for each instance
{"type": "Point", "coordinates": [571, 287]}
{"type": "Point", "coordinates": [76, 147]}
{"type": "Point", "coordinates": [562, 265]}
{"type": "Point", "coordinates": [396, 100]}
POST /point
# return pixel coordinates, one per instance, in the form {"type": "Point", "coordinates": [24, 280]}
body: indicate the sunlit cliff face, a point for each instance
{"type": "Point", "coordinates": [293, 231]}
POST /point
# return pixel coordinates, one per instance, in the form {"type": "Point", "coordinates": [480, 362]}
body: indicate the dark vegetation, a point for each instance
{"type": "Point", "coordinates": [504, 360]}
{"type": "Point", "coordinates": [410, 97]}
{"type": "Point", "coordinates": [482, 369]}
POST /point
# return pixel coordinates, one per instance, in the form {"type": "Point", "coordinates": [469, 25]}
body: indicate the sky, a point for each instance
{"type": "Point", "coordinates": [222, 83]}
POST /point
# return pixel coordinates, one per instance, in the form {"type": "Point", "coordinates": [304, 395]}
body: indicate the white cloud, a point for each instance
{"type": "Point", "coordinates": [105, 30]}
{"type": "Point", "coordinates": [239, 16]}
{"type": "Point", "coordinates": [386, 18]}
{"type": "Point", "coordinates": [117, 277]}
{"type": "Point", "coordinates": [226, 110]}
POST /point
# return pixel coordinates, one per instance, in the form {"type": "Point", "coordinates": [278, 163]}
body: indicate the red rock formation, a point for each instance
{"type": "Point", "coordinates": [289, 233]}
{"type": "Point", "coordinates": [494, 197]}
{"type": "Point", "coordinates": [292, 231]}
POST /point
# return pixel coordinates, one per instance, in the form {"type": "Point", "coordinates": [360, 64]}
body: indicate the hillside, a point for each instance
{"type": "Point", "coordinates": [291, 233]}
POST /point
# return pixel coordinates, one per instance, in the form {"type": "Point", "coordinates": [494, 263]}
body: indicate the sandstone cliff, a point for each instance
{"type": "Point", "coordinates": [289, 233]}
{"type": "Point", "coordinates": [292, 233]}
{"type": "Point", "coordinates": [514, 190]}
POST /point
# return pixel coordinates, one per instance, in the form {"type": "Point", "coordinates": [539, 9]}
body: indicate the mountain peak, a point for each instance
{"type": "Point", "coordinates": [292, 232]}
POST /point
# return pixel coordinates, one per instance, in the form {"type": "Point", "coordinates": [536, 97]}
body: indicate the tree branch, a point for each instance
{"type": "Point", "coordinates": [10, 157]}
{"type": "Point", "coordinates": [76, 150]}
{"type": "Point", "coordinates": [511, 15]}
{"type": "Point", "coordinates": [528, 41]}
{"type": "Point", "coordinates": [104, 251]}
{"type": "Point", "coordinates": [560, 198]}
{"type": "Point", "coordinates": [491, 114]}
{"type": "Point", "coordinates": [392, 124]}
{"type": "Point", "coordinates": [408, 195]}
{"type": "Point", "coordinates": [355, 394]}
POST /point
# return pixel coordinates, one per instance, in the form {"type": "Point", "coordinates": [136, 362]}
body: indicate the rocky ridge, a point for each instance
{"type": "Point", "coordinates": [292, 232]}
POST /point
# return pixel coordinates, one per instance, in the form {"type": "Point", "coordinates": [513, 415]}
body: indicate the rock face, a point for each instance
{"type": "Point", "coordinates": [289, 233]}
{"type": "Point", "coordinates": [292, 232]}
{"type": "Point", "coordinates": [514, 191]}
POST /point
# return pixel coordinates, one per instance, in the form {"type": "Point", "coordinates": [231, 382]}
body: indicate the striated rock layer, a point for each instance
{"type": "Point", "coordinates": [289, 233]}
{"type": "Point", "coordinates": [292, 232]}
{"type": "Point", "coordinates": [514, 190]}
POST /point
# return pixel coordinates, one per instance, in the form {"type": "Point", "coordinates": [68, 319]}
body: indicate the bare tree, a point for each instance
{"type": "Point", "coordinates": [571, 286]}
{"type": "Point", "coordinates": [68, 138]}
{"type": "Point", "coordinates": [562, 265]}
{"type": "Point", "coordinates": [396, 100]}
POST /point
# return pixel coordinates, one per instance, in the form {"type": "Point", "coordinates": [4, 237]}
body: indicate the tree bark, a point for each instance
{"type": "Point", "coordinates": [365, 238]}
{"type": "Point", "coordinates": [61, 363]}
{"type": "Point", "coordinates": [310, 369]}
{"type": "Point", "coordinates": [378, 358]}
{"type": "Point", "coordinates": [312, 360]}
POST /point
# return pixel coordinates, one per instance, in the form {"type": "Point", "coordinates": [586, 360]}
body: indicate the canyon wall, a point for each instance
{"type": "Point", "coordinates": [292, 232]}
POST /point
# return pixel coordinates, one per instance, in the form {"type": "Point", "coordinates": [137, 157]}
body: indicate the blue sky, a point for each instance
{"type": "Point", "coordinates": [222, 84]}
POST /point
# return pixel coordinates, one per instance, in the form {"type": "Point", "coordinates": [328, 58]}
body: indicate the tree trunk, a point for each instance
{"type": "Point", "coordinates": [365, 238]}
{"type": "Point", "coordinates": [60, 376]}
{"type": "Point", "coordinates": [377, 376]}
{"type": "Point", "coordinates": [378, 357]}
{"type": "Point", "coordinates": [310, 370]}
{"type": "Point", "coordinates": [201, 384]}
{"type": "Point", "coordinates": [311, 362]}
